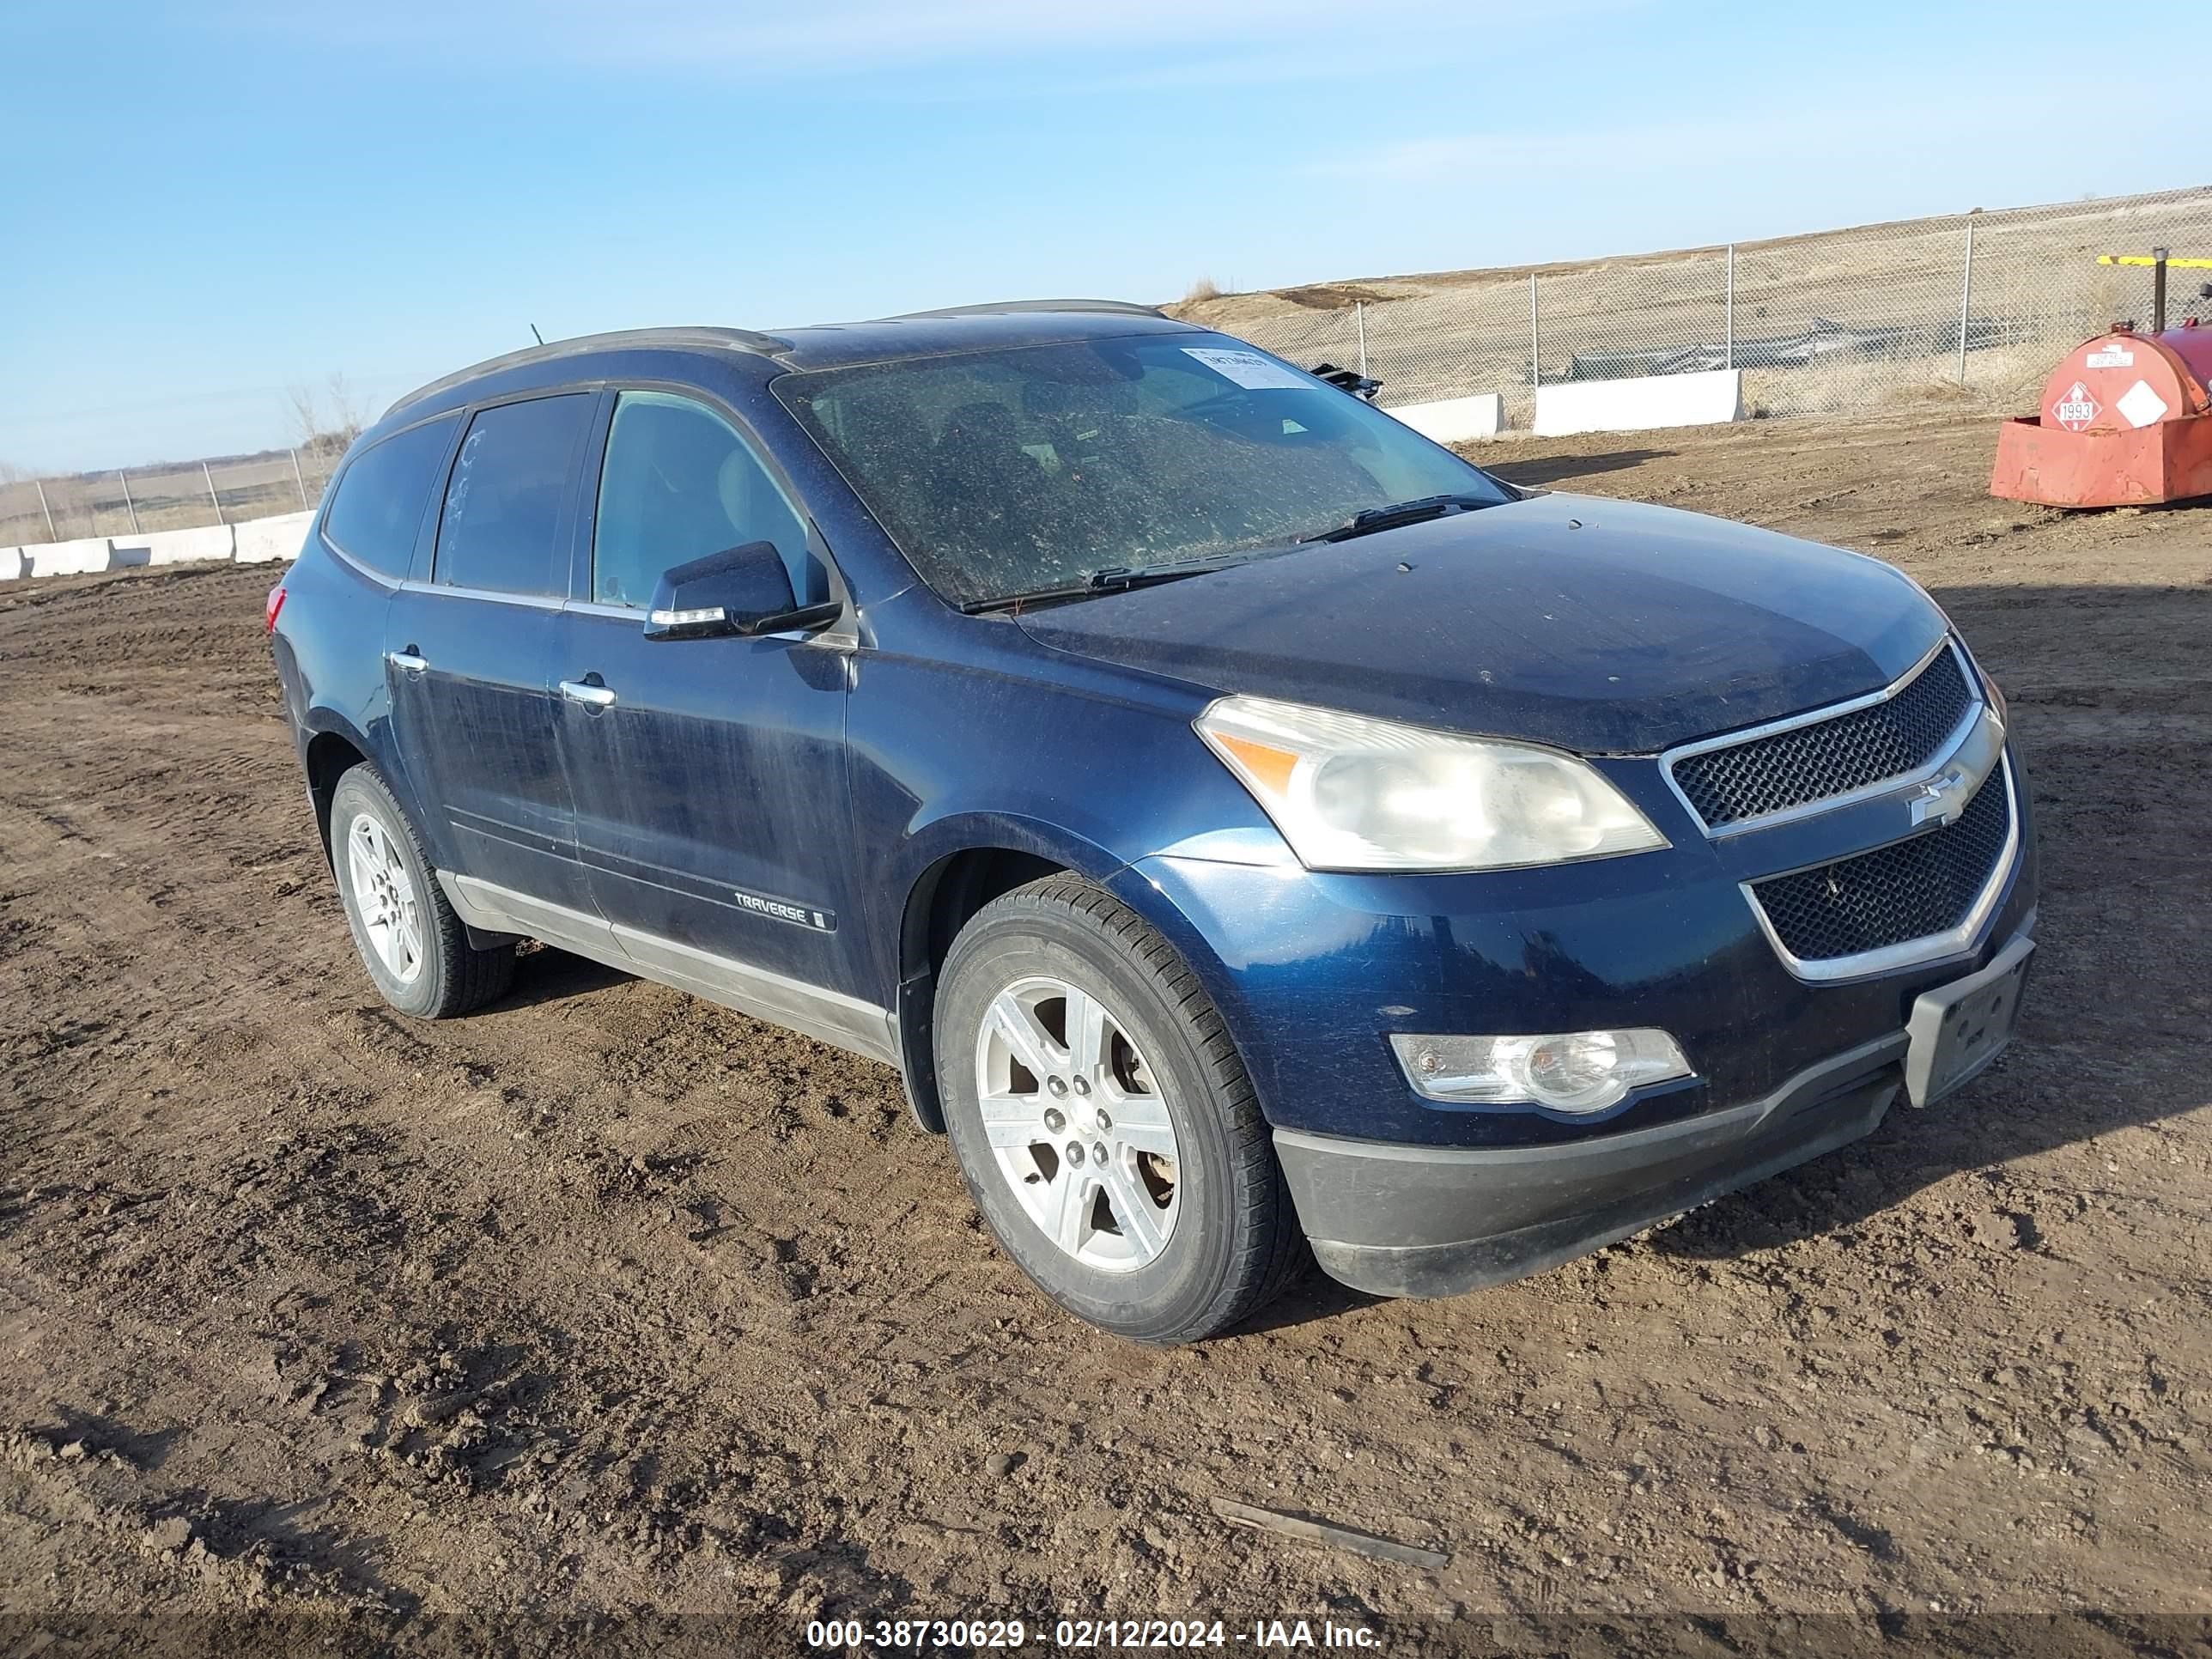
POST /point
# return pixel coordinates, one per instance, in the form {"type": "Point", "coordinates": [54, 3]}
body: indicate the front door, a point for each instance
{"type": "Point", "coordinates": [469, 653]}
{"type": "Point", "coordinates": [712, 811]}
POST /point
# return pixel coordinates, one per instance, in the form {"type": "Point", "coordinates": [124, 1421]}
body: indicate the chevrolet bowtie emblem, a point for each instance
{"type": "Point", "coordinates": [1941, 799]}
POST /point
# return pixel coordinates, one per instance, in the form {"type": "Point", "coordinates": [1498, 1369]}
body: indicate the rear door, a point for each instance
{"type": "Point", "coordinates": [382, 508]}
{"type": "Point", "coordinates": [709, 775]}
{"type": "Point", "coordinates": [469, 651]}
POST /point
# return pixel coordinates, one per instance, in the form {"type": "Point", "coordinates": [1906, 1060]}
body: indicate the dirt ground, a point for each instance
{"type": "Point", "coordinates": [606, 1306]}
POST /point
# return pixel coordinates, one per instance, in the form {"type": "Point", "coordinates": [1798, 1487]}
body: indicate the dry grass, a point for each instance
{"type": "Point", "coordinates": [173, 497]}
{"type": "Point", "coordinates": [1998, 378]}
{"type": "Point", "coordinates": [2036, 285]}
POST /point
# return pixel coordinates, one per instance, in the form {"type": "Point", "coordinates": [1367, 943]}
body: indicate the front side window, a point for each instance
{"type": "Point", "coordinates": [680, 483]}
{"type": "Point", "coordinates": [1034, 468]}
{"type": "Point", "coordinates": [378, 508]}
{"type": "Point", "coordinates": [502, 508]}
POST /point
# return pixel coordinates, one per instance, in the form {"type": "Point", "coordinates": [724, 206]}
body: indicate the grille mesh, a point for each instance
{"type": "Point", "coordinates": [1905, 890]}
{"type": "Point", "coordinates": [1812, 763]}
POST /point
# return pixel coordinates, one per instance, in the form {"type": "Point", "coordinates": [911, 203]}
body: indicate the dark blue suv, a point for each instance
{"type": "Point", "coordinates": [1244, 823]}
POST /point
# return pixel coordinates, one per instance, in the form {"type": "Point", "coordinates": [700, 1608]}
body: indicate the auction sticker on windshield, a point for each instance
{"type": "Point", "coordinates": [1249, 369]}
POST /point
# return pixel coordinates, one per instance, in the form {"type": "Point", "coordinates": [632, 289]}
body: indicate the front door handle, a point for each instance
{"type": "Point", "coordinates": [588, 691]}
{"type": "Point", "coordinates": [407, 661]}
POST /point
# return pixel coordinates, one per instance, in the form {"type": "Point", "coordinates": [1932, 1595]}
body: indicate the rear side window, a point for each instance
{"type": "Point", "coordinates": [380, 501]}
{"type": "Point", "coordinates": [679, 483]}
{"type": "Point", "coordinates": [503, 501]}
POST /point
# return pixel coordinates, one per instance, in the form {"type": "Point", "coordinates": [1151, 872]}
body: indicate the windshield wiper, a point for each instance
{"type": "Point", "coordinates": [1400, 512]}
{"type": "Point", "coordinates": [1113, 579]}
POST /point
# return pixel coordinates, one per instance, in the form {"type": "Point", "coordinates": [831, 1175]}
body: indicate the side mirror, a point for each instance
{"type": "Point", "coordinates": [740, 590]}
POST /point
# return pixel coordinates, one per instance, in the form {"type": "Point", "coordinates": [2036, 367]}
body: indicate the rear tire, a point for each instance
{"type": "Point", "coordinates": [1102, 1121]}
{"type": "Point", "coordinates": [415, 947]}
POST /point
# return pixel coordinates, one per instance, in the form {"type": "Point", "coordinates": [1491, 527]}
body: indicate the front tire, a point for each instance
{"type": "Point", "coordinates": [1102, 1121]}
{"type": "Point", "coordinates": [415, 947]}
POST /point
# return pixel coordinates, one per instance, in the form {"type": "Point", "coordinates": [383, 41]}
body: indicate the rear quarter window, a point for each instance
{"type": "Point", "coordinates": [378, 505]}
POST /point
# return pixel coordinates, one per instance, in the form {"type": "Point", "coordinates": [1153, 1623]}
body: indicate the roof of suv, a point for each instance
{"type": "Point", "coordinates": [834, 346]}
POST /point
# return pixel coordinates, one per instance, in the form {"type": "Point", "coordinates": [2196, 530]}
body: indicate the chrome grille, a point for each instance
{"type": "Point", "coordinates": [1737, 782]}
{"type": "Point", "coordinates": [1910, 889]}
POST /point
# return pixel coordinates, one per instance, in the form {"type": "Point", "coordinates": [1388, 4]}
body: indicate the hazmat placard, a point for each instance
{"type": "Point", "coordinates": [2141, 406]}
{"type": "Point", "coordinates": [2076, 409]}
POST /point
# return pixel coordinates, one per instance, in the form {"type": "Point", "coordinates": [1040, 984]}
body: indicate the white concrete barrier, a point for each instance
{"type": "Point", "coordinates": [1456, 420]}
{"type": "Point", "coordinates": [208, 544]}
{"type": "Point", "coordinates": [260, 540]}
{"type": "Point", "coordinates": [254, 542]}
{"type": "Point", "coordinates": [1632, 406]}
{"type": "Point", "coordinates": [67, 558]}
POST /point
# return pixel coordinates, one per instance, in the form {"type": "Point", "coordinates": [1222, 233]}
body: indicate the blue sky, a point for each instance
{"type": "Point", "coordinates": [213, 203]}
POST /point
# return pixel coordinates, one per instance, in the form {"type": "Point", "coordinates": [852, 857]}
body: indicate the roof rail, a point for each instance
{"type": "Point", "coordinates": [993, 306]}
{"type": "Point", "coordinates": [728, 339]}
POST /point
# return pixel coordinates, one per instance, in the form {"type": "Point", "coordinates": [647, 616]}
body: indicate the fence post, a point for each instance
{"type": "Point", "coordinates": [1728, 345]}
{"type": "Point", "coordinates": [212, 496]}
{"type": "Point", "coordinates": [1535, 358]}
{"type": "Point", "coordinates": [2158, 290]}
{"type": "Point", "coordinates": [130, 505]}
{"type": "Point", "coordinates": [297, 479]}
{"type": "Point", "coordinates": [1359, 317]}
{"type": "Point", "coordinates": [1966, 298]}
{"type": "Point", "coordinates": [41, 485]}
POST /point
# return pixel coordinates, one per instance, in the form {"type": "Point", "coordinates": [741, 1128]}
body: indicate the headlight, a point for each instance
{"type": "Point", "coordinates": [1353, 794]}
{"type": "Point", "coordinates": [1996, 694]}
{"type": "Point", "coordinates": [1991, 690]}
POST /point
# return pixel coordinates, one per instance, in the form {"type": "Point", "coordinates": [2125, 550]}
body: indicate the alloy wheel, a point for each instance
{"type": "Point", "coordinates": [384, 893]}
{"type": "Point", "coordinates": [1076, 1125]}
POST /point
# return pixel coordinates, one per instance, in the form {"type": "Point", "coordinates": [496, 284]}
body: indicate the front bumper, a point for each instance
{"type": "Point", "coordinates": [1405, 1221]}
{"type": "Point", "coordinates": [1399, 1220]}
{"type": "Point", "coordinates": [1314, 972]}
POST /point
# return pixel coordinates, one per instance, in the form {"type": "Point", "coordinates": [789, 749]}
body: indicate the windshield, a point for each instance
{"type": "Point", "coordinates": [1000, 473]}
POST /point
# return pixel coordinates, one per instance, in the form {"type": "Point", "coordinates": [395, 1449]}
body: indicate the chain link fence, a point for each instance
{"type": "Point", "coordinates": [1976, 306]}
{"type": "Point", "coordinates": [176, 497]}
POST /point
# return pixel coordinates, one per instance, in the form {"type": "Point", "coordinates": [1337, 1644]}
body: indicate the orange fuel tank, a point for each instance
{"type": "Point", "coordinates": [2126, 419]}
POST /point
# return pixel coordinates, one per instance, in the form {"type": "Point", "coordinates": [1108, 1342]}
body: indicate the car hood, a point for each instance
{"type": "Point", "coordinates": [1599, 626]}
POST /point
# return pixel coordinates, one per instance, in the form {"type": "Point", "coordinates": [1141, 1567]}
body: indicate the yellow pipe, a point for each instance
{"type": "Point", "coordinates": [2145, 259]}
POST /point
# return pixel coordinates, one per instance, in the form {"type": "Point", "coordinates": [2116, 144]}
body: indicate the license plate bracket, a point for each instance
{"type": "Point", "coordinates": [1957, 1030]}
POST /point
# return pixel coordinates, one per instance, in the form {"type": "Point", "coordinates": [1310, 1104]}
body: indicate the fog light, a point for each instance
{"type": "Point", "coordinates": [1565, 1072]}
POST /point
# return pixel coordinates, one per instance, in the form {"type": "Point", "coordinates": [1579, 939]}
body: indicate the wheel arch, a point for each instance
{"type": "Point", "coordinates": [961, 868]}
{"type": "Point", "coordinates": [327, 752]}
{"type": "Point", "coordinates": [330, 746]}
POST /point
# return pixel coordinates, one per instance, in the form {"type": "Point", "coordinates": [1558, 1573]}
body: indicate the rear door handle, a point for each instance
{"type": "Point", "coordinates": [588, 692]}
{"type": "Point", "coordinates": [407, 661]}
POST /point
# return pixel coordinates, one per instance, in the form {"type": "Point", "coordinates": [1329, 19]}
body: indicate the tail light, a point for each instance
{"type": "Point", "coordinates": [276, 604]}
